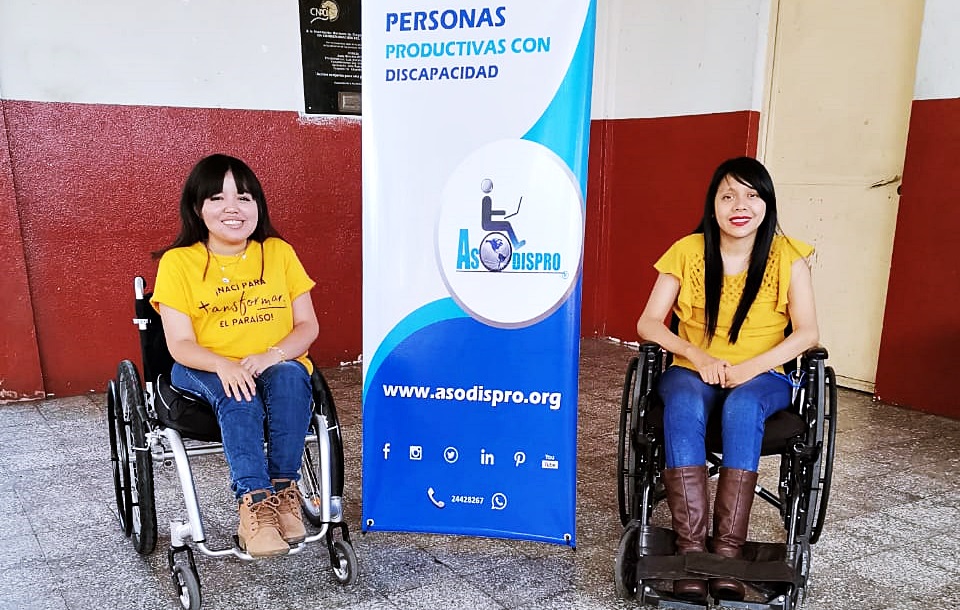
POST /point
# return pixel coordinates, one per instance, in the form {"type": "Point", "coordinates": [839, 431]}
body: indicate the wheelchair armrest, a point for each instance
{"type": "Point", "coordinates": [650, 351]}
{"type": "Point", "coordinates": [816, 353]}
{"type": "Point", "coordinates": [649, 346]}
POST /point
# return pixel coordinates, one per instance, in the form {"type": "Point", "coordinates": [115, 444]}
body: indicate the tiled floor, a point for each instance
{"type": "Point", "coordinates": [892, 538]}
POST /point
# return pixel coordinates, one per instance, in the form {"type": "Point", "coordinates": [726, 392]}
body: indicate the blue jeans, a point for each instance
{"type": "Point", "coordinates": [284, 397]}
{"type": "Point", "coordinates": [688, 402]}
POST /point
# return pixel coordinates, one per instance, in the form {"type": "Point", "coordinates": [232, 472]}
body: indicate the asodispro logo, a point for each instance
{"type": "Point", "coordinates": [510, 233]}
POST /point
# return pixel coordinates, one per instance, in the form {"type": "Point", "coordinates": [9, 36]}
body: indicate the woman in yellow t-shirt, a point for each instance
{"type": "Point", "coordinates": [238, 319]}
{"type": "Point", "coordinates": [734, 285]}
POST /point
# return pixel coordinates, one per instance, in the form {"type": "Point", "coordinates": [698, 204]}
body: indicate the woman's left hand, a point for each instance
{"type": "Point", "coordinates": [738, 374]}
{"type": "Point", "coordinates": [258, 363]}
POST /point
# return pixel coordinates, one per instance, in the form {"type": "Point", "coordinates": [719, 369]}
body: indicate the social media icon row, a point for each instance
{"type": "Point", "coordinates": [487, 458]}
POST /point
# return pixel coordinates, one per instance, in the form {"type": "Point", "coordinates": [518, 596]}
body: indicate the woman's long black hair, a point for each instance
{"type": "Point", "coordinates": [752, 173]}
{"type": "Point", "coordinates": [205, 180]}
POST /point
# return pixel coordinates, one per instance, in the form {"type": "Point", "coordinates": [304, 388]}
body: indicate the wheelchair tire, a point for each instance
{"type": "Point", "coordinates": [625, 564]}
{"type": "Point", "coordinates": [309, 483]}
{"type": "Point", "coordinates": [626, 482]}
{"type": "Point", "coordinates": [343, 559]}
{"type": "Point", "coordinates": [118, 457]}
{"type": "Point", "coordinates": [323, 397]}
{"type": "Point", "coordinates": [186, 583]}
{"type": "Point", "coordinates": [139, 466]}
{"type": "Point", "coordinates": [818, 505]}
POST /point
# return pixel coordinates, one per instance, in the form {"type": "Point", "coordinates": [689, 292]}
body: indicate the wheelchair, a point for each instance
{"type": "Point", "coordinates": [776, 574]}
{"type": "Point", "coordinates": [149, 423]}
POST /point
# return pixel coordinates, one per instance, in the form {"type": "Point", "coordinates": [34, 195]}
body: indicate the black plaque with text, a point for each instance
{"type": "Point", "coordinates": [330, 43]}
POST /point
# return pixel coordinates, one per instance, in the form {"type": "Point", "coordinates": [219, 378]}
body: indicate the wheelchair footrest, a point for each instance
{"type": "Point", "coordinates": [708, 564]}
{"type": "Point", "coordinates": [760, 562]}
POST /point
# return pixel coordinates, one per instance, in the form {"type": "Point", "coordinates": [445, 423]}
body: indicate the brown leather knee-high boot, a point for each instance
{"type": "Point", "coordinates": [731, 516]}
{"type": "Point", "coordinates": [687, 498]}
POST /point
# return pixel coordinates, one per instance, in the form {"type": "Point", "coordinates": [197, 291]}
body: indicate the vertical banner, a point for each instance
{"type": "Point", "coordinates": [476, 121]}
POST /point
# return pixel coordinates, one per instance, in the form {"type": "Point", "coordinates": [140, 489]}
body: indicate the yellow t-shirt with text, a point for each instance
{"type": "Point", "coordinates": [242, 309]}
{"type": "Point", "coordinates": [768, 316]}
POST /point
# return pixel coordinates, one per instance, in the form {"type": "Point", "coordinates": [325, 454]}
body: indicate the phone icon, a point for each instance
{"type": "Point", "coordinates": [437, 503]}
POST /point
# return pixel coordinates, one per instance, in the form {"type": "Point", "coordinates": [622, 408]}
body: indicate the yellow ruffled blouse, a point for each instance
{"type": "Point", "coordinates": [767, 318]}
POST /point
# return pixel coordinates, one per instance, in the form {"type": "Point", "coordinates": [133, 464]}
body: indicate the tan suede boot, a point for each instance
{"type": "Point", "coordinates": [259, 531]}
{"type": "Point", "coordinates": [686, 489]}
{"type": "Point", "coordinates": [289, 511]}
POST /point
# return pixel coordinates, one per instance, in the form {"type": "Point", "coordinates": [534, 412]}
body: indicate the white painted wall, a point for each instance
{"type": "Point", "coordinates": [938, 66]}
{"type": "Point", "coordinates": [187, 53]}
{"type": "Point", "coordinates": [653, 57]}
{"type": "Point", "coordinates": [658, 58]}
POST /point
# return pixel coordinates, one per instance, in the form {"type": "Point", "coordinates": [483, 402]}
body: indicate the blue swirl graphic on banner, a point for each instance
{"type": "Point", "coordinates": [470, 442]}
{"type": "Point", "coordinates": [431, 313]}
{"type": "Point", "coordinates": [570, 107]}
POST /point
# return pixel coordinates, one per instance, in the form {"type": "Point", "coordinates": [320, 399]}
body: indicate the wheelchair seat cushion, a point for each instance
{"type": "Point", "coordinates": [191, 416]}
{"type": "Point", "coordinates": [780, 428]}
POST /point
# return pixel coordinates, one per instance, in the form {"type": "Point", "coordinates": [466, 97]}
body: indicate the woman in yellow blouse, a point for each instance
{"type": "Point", "coordinates": [734, 284]}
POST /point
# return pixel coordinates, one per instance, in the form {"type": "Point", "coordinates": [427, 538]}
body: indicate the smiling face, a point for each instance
{"type": "Point", "coordinates": [230, 216]}
{"type": "Point", "coordinates": [739, 209]}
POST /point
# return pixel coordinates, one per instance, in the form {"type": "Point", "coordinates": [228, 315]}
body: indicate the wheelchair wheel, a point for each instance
{"type": "Point", "coordinates": [637, 456]}
{"type": "Point", "coordinates": [138, 463]}
{"type": "Point", "coordinates": [309, 483]}
{"type": "Point", "coordinates": [818, 502]}
{"type": "Point", "coordinates": [186, 584]}
{"type": "Point", "coordinates": [326, 407]}
{"type": "Point", "coordinates": [118, 457]}
{"type": "Point", "coordinates": [625, 564]}
{"type": "Point", "coordinates": [626, 481]}
{"type": "Point", "coordinates": [343, 559]}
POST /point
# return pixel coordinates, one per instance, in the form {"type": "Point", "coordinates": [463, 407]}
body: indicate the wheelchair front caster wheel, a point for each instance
{"type": "Point", "coordinates": [343, 559]}
{"type": "Point", "coordinates": [186, 584]}
{"type": "Point", "coordinates": [625, 564]}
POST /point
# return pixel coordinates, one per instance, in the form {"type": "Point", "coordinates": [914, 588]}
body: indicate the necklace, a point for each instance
{"type": "Point", "coordinates": [232, 261]}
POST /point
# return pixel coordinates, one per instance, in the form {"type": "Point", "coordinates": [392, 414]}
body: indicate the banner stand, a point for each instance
{"type": "Point", "coordinates": [475, 140]}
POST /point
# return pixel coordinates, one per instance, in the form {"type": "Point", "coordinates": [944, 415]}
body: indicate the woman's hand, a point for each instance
{"type": "Point", "coordinates": [738, 374]}
{"type": "Point", "coordinates": [237, 381]}
{"type": "Point", "coordinates": [712, 370]}
{"type": "Point", "coordinates": [258, 363]}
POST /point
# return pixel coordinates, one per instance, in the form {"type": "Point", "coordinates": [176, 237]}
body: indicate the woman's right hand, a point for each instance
{"type": "Point", "coordinates": [713, 371]}
{"type": "Point", "coordinates": [236, 380]}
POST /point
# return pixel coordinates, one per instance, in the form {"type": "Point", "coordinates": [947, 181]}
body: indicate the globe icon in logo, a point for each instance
{"type": "Point", "coordinates": [495, 251]}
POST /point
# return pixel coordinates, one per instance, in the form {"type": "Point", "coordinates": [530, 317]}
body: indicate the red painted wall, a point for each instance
{"type": "Point", "coordinates": [98, 189]}
{"type": "Point", "coordinates": [647, 183]}
{"type": "Point", "coordinates": [591, 316]}
{"type": "Point", "coordinates": [921, 325]}
{"type": "Point", "coordinates": [19, 358]}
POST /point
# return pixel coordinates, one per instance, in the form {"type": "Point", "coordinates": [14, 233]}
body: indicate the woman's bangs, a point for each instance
{"type": "Point", "coordinates": [245, 180]}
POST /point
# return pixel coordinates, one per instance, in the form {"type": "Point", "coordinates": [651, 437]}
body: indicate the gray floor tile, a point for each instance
{"type": "Point", "coordinates": [32, 587]}
{"type": "Point", "coordinates": [526, 581]}
{"type": "Point", "coordinates": [448, 593]}
{"type": "Point", "coordinates": [885, 544]}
